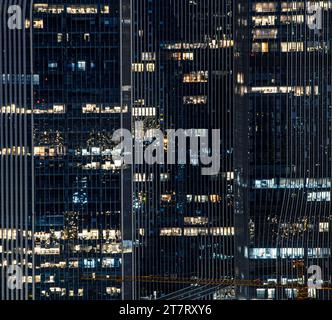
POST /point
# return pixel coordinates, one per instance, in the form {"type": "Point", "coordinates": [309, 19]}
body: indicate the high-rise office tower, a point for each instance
{"type": "Point", "coordinates": [16, 187]}
{"type": "Point", "coordinates": [83, 216]}
{"type": "Point", "coordinates": [76, 223]}
{"type": "Point", "coordinates": [182, 79]}
{"type": "Point", "coordinates": [81, 54]}
{"type": "Point", "coordinates": [65, 209]}
{"type": "Point", "coordinates": [283, 146]}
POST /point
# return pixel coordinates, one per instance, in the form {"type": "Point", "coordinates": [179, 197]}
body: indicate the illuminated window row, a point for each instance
{"type": "Point", "coordinates": [142, 177]}
{"type": "Point", "coordinates": [48, 8]}
{"type": "Point", "coordinates": [141, 67]}
{"type": "Point", "coordinates": [62, 292]}
{"type": "Point", "coordinates": [196, 220]}
{"type": "Point", "coordinates": [191, 232]}
{"type": "Point", "coordinates": [46, 251]}
{"type": "Point", "coordinates": [12, 233]}
{"type": "Point", "coordinates": [107, 166]}
{"type": "Point", "coordinates": [293, 183]}
{"type": "Point", "coordinates": [113, 248]}
{"type": "Point", "coordinates": [148, 56]}
{"type": "Point", "coordinates": [178, 56]}
{"type": "Point", "coordinates": [264, 20]}
{"type": "Point", "coordinates": [37, 24]}
{"type": "Point", "coordinates": [296, 90]}
{"type": "Point", "coordinates": [19, 78]}
{"type": "Point", "coordinates": [196, 77]}
{"type": "Point", "coordinates": [214, 198]}
{"type": "Point", "coordinates": [144, 112]}
{"type": "Point", "coordinates": [70, 8]}
{"type": "Point", "coordinates": [291, 46]}
{"type": "Point", "coordinates": [102, 108]}
{"type": "Point", "coordinates": [319, 196]}
{"type": "Point", "coordinates": [264, 7]}
{"type": "Point", "coordinates": [94, 151]}
{"type": "Point", "coordinates": [265, 34]}
{"type": "Point", "coordinates": [264, 47]}
{"type": "Point", "coordinates": [113, 291]}
{"type": "Point", "coordinates": [56, 108]}
{"type": "Point", "coordinates": [95, 234]}
{"type": "Point", "coordinates": [212, 44]}
{"type": "Point", "coordinates": [291, 19]}
{"type": "Point", "coordinates": [195, 99]}
{"type": "Point", "coordinates": [46, 151]}
{"type": "Point", "coordinates": [324, 227]}
{"type": "Point", "coordinates": [272, 6]}
{"type": "Point", "coordinates": [286, 253]}
{"type": "Point", "coordinates": [291, 6]}
{"type": "Point", "coordinates": [15, 151]}
{"type": "Point", "coordinates": [12, 109]}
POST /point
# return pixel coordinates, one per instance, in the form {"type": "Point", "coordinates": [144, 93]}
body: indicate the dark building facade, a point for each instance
{"type": "Point", "coordinates": [66, 212]}
{"type": "Point", "coordinates": [182, 79]}
{"type": "Point", "coordinates": [283, 96]}
{"type": "Point", "coordinates": [84, 203]}
{"type": "Point", "coordinates": [75, 223]}
{"type": "Point", "coordinates": [16, 161]}
{"type": "Point", "coordinates": [82, 98]}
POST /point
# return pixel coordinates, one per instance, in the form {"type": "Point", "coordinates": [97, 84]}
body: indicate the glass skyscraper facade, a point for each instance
{"type": "Point", "coordinates": [16, 162]}
{"type": "Point", "coordinates": [57, 128]}
{"type": "Point", "coordinates": [78, 104]}
{"type": "Point", "coordinates": [182, 52]}
{"type": "Point", "coordinates": [77, 223]}
{"type": "Point", "coordinates": [283, 91]}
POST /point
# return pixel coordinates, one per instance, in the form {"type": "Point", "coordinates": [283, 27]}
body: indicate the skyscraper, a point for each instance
{"type": "Point", "coordinates": [283, 171]}
{"type": "Point", "coordinates": [182, 79]}
{"type": "Point", "coordinates": [16, 166]}
{"type": "Point", "coordinates": [85, 215]}
{"type": "Point", "coordinates": [76, 223]}
{"type": "Point", "coordinates": [67, 205]}
{"type": "Point", "coordinates": [81, 211]}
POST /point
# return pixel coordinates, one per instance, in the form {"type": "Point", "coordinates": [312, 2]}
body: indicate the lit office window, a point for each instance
{"type": "Point", "coordinates": [264, 20]}
{"type": "Point", "coordinates": [288, 19]}
{"type": "Point", "coordinates": [319, 196]}
{"type": "Point", "coordinates": [150, 67]}
{"type": "Point", "coordinates": [264, 7]}
{"type": "Point", "coordinates": [168, 232]}
{"type": "Point", "coordinates": [105, 9]}
{"type": "Point", "coordinates": [148, 56]}
{"type": "Point", "coordinates": [82, 9]}
{"type": "Point", "coordinates": [196, 77]}
{"type": "Point", "coordinates": [292, 6]}
{"type": "Point", "coordinates": [291, 46]}
{"type": "Point", "coordinates": [324, 227]}
{"type": "Point", "coordinates": [48, 8]}
{"type": "Point", "coordinates": [265, 34]}
{"type": "Point", "coordinates": [137, 67]}
{"type": "Point", "coordinates": [81, 65]}
{"type": "Point", "coordinates": [194, 99]}
{"type": "Point", "coordinates": [38, 23]}
{"type": "Point", "coordinates": [260, 47]}
{"type": "Point", "coordinates": [196, 220]}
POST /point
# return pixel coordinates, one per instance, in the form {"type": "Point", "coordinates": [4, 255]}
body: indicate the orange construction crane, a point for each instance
{"type": "Point", "coordinates": [302, 293]}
